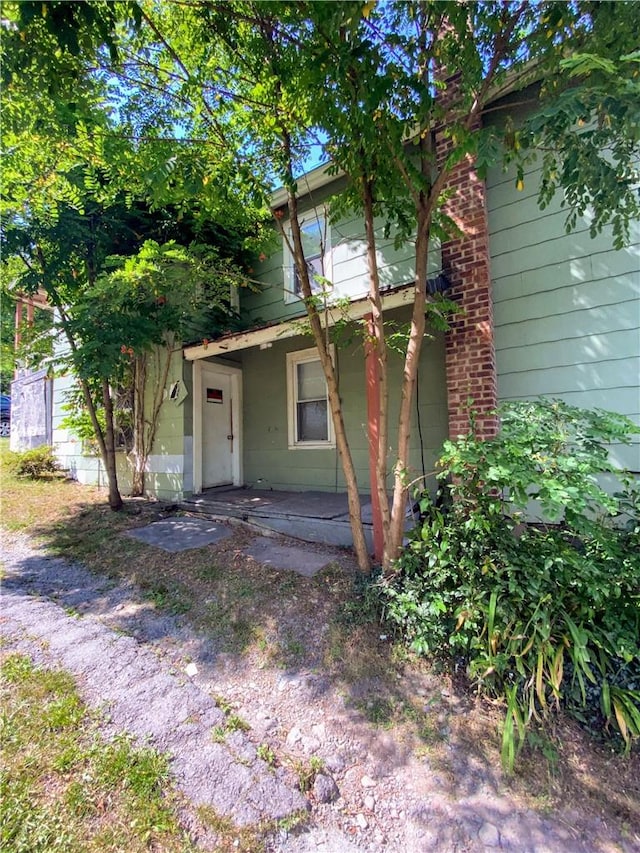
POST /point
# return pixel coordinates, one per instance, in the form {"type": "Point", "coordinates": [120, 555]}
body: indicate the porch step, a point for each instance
{"type": "Point", "coordinates": [326, 531]}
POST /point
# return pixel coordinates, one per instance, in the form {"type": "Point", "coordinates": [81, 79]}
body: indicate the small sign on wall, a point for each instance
{"type": "Point", "coordinates": [214, 395]}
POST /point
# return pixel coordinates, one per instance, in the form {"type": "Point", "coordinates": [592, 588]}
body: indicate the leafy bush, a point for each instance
{"type": "Point", "coordinates": [541, 614]}
{"type": "Point", "coordinates": [35, 464]}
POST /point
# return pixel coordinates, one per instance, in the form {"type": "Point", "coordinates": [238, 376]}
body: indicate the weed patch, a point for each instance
{"type": "Point", "coordinates": [232, 723]}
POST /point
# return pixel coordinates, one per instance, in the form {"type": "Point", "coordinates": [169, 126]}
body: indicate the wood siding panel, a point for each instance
{"type": "Point", "coordinates": [575, 324]}
{"type": "Point", "coordinates": [586, 349]}
{"type": "Point", "coordinates": [268, 463]}
{"type": "Point", "coordinates": [566, 307]}
{"type": "Point", "coordinates": [349, 271]}
{"type": "Point", "coordinates": [579, 287]}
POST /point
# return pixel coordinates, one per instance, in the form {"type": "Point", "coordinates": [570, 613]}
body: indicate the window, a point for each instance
{"type": "Point", "coordinates": [316, 242]}
{"type": "Point", "coordinates": [310, 423]}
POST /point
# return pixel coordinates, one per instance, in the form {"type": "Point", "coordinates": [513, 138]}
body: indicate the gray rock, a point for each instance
{"type": "Point", "coordinates": [489, 835]}
{"type": "Point", "coordinates": [294, 736]}
{"type": "Point", "coordinates": [334, 762]}
{"type": "Point", "coordinates": [361, 821]}
{"type": "Point", "coordinates": [325, 789]}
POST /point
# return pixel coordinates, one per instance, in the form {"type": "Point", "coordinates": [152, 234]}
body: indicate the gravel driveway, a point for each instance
{"type": "Point", "coordinates": [135, 690]}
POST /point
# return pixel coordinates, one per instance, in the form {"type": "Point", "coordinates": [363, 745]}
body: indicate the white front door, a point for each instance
{"type": "Point", "coordinates": [218, 439]}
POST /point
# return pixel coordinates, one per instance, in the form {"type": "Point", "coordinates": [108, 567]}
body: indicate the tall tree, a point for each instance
{"type": "Point", "coordinates": [81, 184]}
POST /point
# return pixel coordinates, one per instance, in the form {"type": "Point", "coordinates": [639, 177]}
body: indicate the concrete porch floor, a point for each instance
{"type": "Point", "coordinates": [311, 516]}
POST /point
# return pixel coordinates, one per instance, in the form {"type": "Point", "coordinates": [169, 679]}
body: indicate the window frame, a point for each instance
{"type": "Point", "coordinates": [312, 215]}
{"type": "Point", "coordinates": [293, 360]}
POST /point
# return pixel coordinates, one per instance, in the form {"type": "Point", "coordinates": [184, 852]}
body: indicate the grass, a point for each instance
{"type": "Point", "coordinates": [232, 723]}
{"type": "Point", "coordinates": [63, 788]}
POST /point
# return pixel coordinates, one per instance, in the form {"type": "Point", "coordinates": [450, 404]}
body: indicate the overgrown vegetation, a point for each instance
{"type": "Point", "coordinates": [541, 615]}
{"type": "Point", "coordinates": [62, 788]}
{"type": "Point", "coordinates": [195, 110]}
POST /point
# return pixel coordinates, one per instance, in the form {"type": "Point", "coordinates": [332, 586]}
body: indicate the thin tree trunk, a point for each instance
{"type": "Point", "coordinates": [115, 500]}
{"type": "Point", "coordinates": [380, 348]}
{"type": "Point", "coordinates": [416, 336]}
{"type": "Point", "coordinates": [108, 443]}
{"type": "Point", "coordinates": [144, 430]}
{"type": "Point", "coordinates": [139, 428]}
{"type": "Point", "coordinates": [353, 496]}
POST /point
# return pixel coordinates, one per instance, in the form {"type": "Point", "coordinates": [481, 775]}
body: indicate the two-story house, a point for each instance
{"type": "Point", "coordinates": [544, 313]}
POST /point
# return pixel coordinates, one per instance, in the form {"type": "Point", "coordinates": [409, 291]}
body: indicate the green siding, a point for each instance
{"type": "Point", "coordinates": [349, 270]}
{"type": "Point", "coordinates": [169, 468]}
{"type": "Point", "coordinates": [268, 462]}
{"type": "Point", "coordinates": [566, 306]}
{"type": "Point", "coordinates": [169, 473]}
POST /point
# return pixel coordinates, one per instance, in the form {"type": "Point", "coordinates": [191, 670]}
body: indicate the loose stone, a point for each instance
{"type": "Point", "coordinates": [325, 789]}
{"type": "Point", "coordinates": [489, 835]}
{"type": "Point", "coordinates": [294, 736]}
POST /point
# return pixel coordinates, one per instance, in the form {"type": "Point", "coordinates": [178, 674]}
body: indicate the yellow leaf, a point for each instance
{"type": "Point", "coordinates": [539, 681]}
{"type": "Point", "coordinates": [622, 723]}
{"type": "Point", "coordinates": [367, 8]}
{"type": "Point", "coordinates": [519, 185]}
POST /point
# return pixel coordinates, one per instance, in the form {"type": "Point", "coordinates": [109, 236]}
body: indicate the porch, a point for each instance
{"type": "Point", "coordinates": [310, 515]}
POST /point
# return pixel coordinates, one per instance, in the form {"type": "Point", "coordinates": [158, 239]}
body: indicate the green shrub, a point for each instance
{"type": "Point", "coordinates": [34, 464]}
{"type": "Point", "coordinates": [540, 614]}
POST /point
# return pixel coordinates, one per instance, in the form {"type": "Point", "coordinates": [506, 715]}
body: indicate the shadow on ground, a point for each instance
{"type": "Point", "coordinates": [309, 641]}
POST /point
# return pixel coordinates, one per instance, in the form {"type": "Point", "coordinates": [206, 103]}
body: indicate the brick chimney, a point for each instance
{"type": "Point", "coordinates": [470, 350]}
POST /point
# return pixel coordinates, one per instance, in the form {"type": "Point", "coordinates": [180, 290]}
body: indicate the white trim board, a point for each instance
{"type": "Point", "coordinates": [235, 373]}
{"type": "Point", "coordinates": [291, 328]}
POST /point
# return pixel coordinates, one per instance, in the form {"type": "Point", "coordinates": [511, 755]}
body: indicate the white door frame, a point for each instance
{"type": "Point", "coordinates": [235, 373]}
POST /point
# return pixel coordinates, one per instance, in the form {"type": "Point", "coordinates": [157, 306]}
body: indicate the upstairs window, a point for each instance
{"type": "Point", "coordinates": [316, 243]}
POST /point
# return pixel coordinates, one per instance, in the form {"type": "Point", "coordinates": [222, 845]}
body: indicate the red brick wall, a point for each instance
{"type": "Point", "coordinates": [470, 351]}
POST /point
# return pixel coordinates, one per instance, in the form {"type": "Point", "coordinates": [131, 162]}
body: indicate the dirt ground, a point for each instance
{"type": "Point", "coordinates": [392, 754]}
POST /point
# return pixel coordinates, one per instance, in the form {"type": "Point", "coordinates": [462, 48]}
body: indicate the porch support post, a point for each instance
{"type": "Point", "coordinates": [372, 371]}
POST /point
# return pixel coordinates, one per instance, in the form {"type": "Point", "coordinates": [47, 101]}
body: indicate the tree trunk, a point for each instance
{"type": "Point", "coordinates": [144, 429]}
{"type": "Point", "coordinates": [353, 496]}
{"type": "Point", "coordinates": [115, 500]}
{"type": "Point", "coordinates": [380, 350]}
{"type": "Point", "coordinates": [335, 404]}
{"type": "Point", "coordinates": [416, 336]}
{"type": "Point", "coordinates": [138, 454]}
